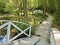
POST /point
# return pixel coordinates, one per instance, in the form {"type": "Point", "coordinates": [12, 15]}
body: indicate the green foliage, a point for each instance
{"type": "Point", "coordinates": [51, 6]}
{"type": "Point", "coordinates": [8, 8]}
{"type": "Point", "coordinates": [16, 7]}
{"type": "Point", "coordinates": [56, 21]}
{"type": "Point", "coordinates": [2, 6]}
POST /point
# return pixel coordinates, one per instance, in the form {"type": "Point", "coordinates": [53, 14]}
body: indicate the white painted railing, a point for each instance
{"type": "Point", "coordinates": [52, 38]}
{"type": "Point", "coordinates": [9, 23]}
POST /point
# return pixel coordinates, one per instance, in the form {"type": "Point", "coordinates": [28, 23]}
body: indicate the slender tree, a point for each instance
{"type": "Point", "coordinates": [25, 8]}
{"type": "Point", "coordinates": [44, 7]}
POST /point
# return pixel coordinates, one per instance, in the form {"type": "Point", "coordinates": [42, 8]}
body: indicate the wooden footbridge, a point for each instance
{"type": "Point", "coordinates": [8, 24]}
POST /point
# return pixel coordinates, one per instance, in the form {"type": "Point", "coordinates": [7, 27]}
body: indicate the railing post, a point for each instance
{"type": "Point", "coordinates": [8, 31]}
{"type": "Point", "coordinates": [30, 32]}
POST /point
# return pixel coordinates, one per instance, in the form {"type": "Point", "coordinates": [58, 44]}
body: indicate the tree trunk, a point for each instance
{"type": "Point", "coordinates": [44, 7]}
{"type": "Point", "coordinates": [25, 8]}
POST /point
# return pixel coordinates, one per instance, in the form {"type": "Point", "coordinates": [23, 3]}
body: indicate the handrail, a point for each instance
{"type": "Point", "coordinates": [15, 22]}
{"type": "Point", "coordinates": [52, 38]}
